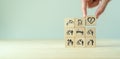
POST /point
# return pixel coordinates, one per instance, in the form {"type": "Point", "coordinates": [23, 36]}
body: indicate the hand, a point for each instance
{"type": "Point", "coordinates": [93, 3]}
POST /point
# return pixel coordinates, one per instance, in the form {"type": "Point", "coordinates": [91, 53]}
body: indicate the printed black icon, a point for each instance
{"type": "Point", "coordinates": [90, 42]}
{"type": "Point", "coordinates": [79, 22]}
{"type": "Point", "coordinates": [90, 32]}
{"type": "Point", "coordinates": [91, 20]}
{"type": "Point", "coordinates": [69, 32]}
{"type": "Point", "coordinates": [80, 42]}
{"type": "Point", "coordinates": [69, 42]}
{"type": "Point", "coordinates": [79, 31]}
{"type": "Point", "coordinates": [70, 22]}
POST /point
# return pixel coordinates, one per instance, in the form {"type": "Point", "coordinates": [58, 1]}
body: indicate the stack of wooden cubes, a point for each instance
{"type": "Point", "coordinates": [80, 32]}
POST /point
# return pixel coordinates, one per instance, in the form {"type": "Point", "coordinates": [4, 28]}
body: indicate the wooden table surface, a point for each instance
{"type": "Point", "coordinates": [55, 49]}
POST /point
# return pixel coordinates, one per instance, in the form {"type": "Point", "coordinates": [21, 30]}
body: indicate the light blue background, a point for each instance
{"type": "Point", "coordinates": [44, 19]}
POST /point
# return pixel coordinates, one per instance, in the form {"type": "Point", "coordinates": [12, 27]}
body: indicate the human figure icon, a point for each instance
{"type": "Point", "coordinates": [90, 42]}
{"type": "Point", "coordinates": [70, 22]}
{"type": "Point", "coordinates": [90, 32]}
{"type": "Point", "coordinates": [80, 42]}
{"type": "Point", "coordinates": [69, 42]}
{"type": "Point", "coordinates": [69, 32]}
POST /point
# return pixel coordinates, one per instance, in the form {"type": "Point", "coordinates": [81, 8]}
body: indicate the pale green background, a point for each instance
{"type": "Point", "coordinates": [44, 19]}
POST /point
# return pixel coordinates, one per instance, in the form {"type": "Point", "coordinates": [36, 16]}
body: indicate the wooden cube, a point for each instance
{"type": "Point", "coordinates": [90, 21]}
{"type": "Point", "coordinates": [90, 42]}
{"type": "Point", "coordinates": [80, 32]}
{"type": "Point", "coordinates": [69, 42]}
{"type": "Point", "coordinates": [69, 32]}
{"type": "Point", "coordinates": [79, 42]}
{"type": "Point", "coordinates": [90, 32]}
{"type": "Point", "coordinates": [79, 22]}
{"type": "Point", "coordinates": [69, 22]}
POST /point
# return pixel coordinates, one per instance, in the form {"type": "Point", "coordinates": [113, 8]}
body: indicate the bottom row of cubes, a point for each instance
{"type": "Point", "coordinates": [80, 42]}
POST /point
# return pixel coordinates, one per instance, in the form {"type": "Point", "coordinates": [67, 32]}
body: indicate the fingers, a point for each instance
{"type": "Point", "coordinates": [93, 3]}
{"type": "Point", "coordinates": [101, 7]}
{"type": "Point", "coordinates": [84, 7]}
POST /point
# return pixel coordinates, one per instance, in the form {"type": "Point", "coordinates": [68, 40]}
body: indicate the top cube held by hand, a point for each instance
{"type": "Point", "coordinates": [90, 21]}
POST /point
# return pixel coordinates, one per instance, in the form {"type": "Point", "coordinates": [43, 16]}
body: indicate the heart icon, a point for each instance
{"type": "Point", "coordinates": [91, 20]}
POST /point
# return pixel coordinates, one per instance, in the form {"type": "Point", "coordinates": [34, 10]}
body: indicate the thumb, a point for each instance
{"type": "Point", "coordinates": [101, 8]}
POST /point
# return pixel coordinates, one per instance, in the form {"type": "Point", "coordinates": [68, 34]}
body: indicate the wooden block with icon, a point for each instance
{"type": "Point", "coordinates": [90, 32]}
{"type": "Point", "coordinates": [90, 21]}
{"type": "Point", "coordinates": [69, 22]}
{"type": "Point", "coordinates": [79, 22]}
{"type": "Point", "coordinates": [80, 32]}
{"type": "Point", "coordinates": [79, 42]}
{"type": "Point", "coordinates": [69, 32]}
{"type": "Point", "coordinates": [69, 42]}
{"type": "Point", "coordinates": [90, 42]}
